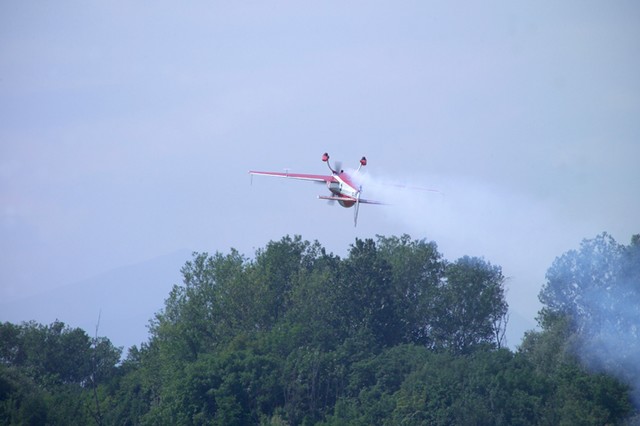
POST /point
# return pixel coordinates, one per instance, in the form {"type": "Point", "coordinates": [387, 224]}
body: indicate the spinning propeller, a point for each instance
{"type": "Point", "coordinates": [357, 207]}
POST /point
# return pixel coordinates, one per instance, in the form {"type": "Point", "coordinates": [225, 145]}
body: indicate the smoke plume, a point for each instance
{"type": "Point", "coordinates": [598, 286]}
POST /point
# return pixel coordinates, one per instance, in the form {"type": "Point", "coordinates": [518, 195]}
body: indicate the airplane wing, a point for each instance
{"type": "Point", "coordinates": [300, 176]}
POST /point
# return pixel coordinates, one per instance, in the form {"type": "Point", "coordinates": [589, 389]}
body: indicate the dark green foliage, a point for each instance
{"type": "Point", "coordinates": [48, 374]}
{"type": "Point", "coordinates": [572, 395]}
{"type": "Point", "coordinates": [21, 400]}
{"type": "Point", "coordinates": [391, 334]}
{"type": "Point", "coordinates": [417, 270]}
{"type": "Point", "coordinates": [365, 295]}
{"type": "Point", "coordinates": [470, 307]}
{"type": "Point", "coordinates": [57, 354]}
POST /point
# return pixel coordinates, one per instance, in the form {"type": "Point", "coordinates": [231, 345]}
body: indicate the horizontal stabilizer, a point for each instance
{"type": "Point", "coordinates": [334, 198]}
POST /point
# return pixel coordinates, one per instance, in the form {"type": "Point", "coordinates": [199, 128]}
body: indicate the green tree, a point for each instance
{"type": "Point", "coordinates": [365, 294]}
{"type": "Point", "coordinates": [131, 396]}
{"type": "Point", "coordinates": [577, 278]}
{"type": "Point", "coordinates": [374, 381]}
{"type": "Point", "coordinates": [569, 394]}
{"type": "Point", "coordinates": [57, 354]}
{"type": "Point", "coordinates": [22, 401]}
{"type": "Point", "coordinates": [276, 272]}
{"type": "Point", "coordinates": [48, 373]}
{"type": "Point", "coordinates": [470, 308]}
{"type": "Point", "coordinates": [417, 269]}
{"type": "Point", "coordinates": [312, 318]}
{"type": "Point", "coordinates": [204, 311]}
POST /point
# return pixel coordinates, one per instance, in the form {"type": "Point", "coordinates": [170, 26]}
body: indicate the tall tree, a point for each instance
{"type": "Point", "coordinates": [417, 269]}
{"type": "Point", "coordinates": [313, 315]}
{"type": "Point", "coordinates": [367, 302]}
{"type": "Point", "coordinates": [579, 278]}
{"type": "Point", "coordinates": [196, 314]}
{"type": "Point", "coordinates": [470, 305]}
{"type": "Point", "coordinates": [276, 271]}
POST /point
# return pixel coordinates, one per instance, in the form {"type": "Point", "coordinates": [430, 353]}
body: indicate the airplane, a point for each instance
{"type": "Point", "coordinates": [343, 186]}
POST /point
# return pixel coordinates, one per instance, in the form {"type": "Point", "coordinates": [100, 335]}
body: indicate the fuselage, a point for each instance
{"type": "Point", "coordinates": [343, 187]}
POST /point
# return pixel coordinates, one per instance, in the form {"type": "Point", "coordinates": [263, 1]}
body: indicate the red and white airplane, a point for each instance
{"type": "Point", "coordinates": [344, 188]}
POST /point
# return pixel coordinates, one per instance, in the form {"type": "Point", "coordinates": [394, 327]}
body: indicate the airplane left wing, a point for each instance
{"type": "Point", "coordinates": [299, 176]}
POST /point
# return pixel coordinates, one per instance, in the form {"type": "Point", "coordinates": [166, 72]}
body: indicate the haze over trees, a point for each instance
{"type": "Point", "coordinates": [390, 334]}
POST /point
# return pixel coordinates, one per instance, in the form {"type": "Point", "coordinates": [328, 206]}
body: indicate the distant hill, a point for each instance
{"type": "Point", "coordinates": [125, 298]}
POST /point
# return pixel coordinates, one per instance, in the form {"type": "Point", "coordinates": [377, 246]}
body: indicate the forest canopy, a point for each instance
{"type": "Point", "coordinates": [390, 334]}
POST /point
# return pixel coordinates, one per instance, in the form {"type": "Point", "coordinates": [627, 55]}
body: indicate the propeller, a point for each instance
{"type": "Point", "coordinates": [357, 208]}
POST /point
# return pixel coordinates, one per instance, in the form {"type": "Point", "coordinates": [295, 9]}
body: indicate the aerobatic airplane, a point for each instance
{"type": "Point", "coordinates": [344, 188]}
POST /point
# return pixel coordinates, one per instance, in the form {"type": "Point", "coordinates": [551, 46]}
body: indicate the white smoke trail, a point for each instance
{"type": "Point", "coordinates": [466, 215]}
{"type": "Point", "coordinates": [478, 218]}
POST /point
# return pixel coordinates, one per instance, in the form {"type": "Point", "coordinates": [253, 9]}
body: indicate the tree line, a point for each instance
{"type": "Point", "coordinates": [390, 334]}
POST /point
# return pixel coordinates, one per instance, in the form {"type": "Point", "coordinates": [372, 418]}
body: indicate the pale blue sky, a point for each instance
{"type": "Point", "coordinates": [126, 130]}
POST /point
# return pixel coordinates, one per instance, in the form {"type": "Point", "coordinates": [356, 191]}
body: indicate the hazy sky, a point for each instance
{"type": "Point", "coordinates": [127, 130]}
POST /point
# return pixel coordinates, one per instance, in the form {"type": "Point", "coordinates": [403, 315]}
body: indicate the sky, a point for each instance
{"type": "Point", "coordinates": [127, 130]}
